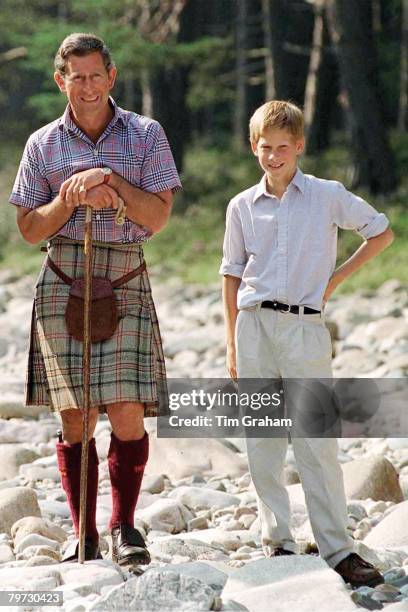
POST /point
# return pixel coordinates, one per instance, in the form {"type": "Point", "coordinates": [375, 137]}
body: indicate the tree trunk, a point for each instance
{"type": "Point", "coordinates": [352, 34]}
{"type": "Point", "coordinates": [326, 106]}
{"type": "Point", "coordinates": [403, 97]}
{"type": "Point", "coordinates": [270, 90]}
{"type": "Point", "coordinates": [147, 97]}
{"type": "Point", "coordinates": [314, 65]}
{"type": "Point", "coordinates": [240, 128]}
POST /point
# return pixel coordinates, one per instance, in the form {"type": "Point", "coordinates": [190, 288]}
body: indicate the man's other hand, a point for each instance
{"type": "Point", "coordinates": [74, 190]}
{"type": "Point", "coordinates": [102, 196]}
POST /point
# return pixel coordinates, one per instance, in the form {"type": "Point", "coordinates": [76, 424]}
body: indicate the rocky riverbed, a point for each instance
{"type": "Point", "coordinates": [198, 507]}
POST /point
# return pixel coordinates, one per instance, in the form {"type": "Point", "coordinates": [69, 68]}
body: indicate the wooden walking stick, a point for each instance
{"type": "Point", "coordinates": [86, 381]}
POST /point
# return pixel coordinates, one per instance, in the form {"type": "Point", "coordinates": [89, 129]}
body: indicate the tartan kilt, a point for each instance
{"type": "Point", "coordinates": [128, 367]}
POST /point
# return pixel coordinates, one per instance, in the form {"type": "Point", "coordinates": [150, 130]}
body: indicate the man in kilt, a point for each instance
{"type": "Point", "coordinates": [101, 155]}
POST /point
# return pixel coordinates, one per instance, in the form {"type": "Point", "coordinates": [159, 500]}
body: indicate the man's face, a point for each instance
{"type": "Point", "coordinates": [277, 151]}
{"type": "Point", "coordinates": [86, 84]}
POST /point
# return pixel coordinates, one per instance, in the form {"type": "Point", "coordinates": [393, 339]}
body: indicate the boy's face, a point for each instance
{"type": "Point", "coordinates": [277, 151]}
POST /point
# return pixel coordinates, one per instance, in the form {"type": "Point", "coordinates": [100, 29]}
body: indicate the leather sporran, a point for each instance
{"type": "Point", "coordinates": [104, 312]}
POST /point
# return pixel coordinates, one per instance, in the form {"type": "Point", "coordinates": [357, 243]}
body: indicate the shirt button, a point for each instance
{"type": "Point", "coordinates": [95, 152]}
{"type": "Point", "coordinates": [98, 217]}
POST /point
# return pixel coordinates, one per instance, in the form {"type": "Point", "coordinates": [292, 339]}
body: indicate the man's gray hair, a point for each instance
{"type": "Point", "coordinates": [81, 44]}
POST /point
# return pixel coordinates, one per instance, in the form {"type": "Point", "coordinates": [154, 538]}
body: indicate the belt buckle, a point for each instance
{"type": "Point", "coordinates": [285, 311]}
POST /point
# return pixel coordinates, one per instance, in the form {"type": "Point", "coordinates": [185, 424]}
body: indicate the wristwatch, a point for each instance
{"type": "Point", "coordinates": [107, 172]}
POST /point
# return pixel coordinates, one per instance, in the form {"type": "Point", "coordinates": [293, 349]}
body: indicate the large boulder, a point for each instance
{"type": "Point", "coordinates": [178, 458]}
{"type": "Point", "coordinates": [12, 456]}
{"type": "Point", "coordinates": [16, 503]}
{"type": "Point", "coordinates": [375, 477]}
{"type": "Point", "coordinates": [159, 590]}
{"type": "Point", "coordinates": [284, 584]}
{"type": "Point", "coordinates": [392, 530]}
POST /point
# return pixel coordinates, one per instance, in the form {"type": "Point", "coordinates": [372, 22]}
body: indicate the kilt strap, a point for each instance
{"type": "Point", "coordinates": [117, 283]}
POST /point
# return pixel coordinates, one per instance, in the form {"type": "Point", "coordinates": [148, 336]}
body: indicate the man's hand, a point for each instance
{"type": "Point", "coordinates": [102, 196]}
{"type": "Point", "coordinates": [232, 362]}
{"type": "Point", "coordinates": [74, 190]}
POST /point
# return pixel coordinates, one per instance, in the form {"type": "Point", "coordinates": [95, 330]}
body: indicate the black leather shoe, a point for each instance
{"type": "Point", "coordinates": [92, 551]}
{"type": "Point", "coordinates": [128, 546]}
{"type": "Point", "coordinates": [279, 552]}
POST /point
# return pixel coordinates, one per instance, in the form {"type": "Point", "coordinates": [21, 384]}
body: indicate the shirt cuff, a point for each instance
{"type": "Point", "coordinates": [232, 269]}
{"type": "Point", "coordinates": [377, 226]}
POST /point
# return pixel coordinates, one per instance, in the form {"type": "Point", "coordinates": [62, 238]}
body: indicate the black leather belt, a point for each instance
{"type": "Point", "coordinates": [286, 308]}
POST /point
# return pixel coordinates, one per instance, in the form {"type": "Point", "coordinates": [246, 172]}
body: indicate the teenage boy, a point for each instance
{"type": "Point", "coordinates": [279, 271]}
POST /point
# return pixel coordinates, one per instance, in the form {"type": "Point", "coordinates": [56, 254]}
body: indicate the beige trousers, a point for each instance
{"type": "Point", "coordinates": [271, 344]}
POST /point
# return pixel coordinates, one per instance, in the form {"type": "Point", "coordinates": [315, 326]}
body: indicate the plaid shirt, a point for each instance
{"type": "Point", "coordinates": [135, 147]}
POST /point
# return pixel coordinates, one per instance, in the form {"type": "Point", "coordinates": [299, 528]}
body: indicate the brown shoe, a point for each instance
{"type": "Point", "coordinates": [358, 572]}
{"type": "Point", "coordinates": [279, 552]}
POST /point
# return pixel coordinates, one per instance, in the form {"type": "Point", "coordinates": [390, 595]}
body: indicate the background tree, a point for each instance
{"type": "Point", "coordinates": [352, 35]}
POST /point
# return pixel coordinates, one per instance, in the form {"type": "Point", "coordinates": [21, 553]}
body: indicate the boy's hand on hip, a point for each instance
{"type": "Point", "coordinates": [232, 362]}
{"type": "Point", "coordinates": [331, 287]}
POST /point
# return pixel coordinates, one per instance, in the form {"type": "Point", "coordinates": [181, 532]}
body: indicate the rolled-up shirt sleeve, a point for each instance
{"type": "Point", "coordinates": [159, 172]}
{"type": "Point", "coordinates": [352, 212]}
{"type": "Point", "coordinates": [234, 255]}
{"type": "Point", "coordinates": [31, 188]}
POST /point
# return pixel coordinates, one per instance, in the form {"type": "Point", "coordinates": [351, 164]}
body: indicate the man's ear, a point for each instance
{"type": "Point", "coordinates": [59, 79]}
{"type": "Point", "coordinates": [112, 77]}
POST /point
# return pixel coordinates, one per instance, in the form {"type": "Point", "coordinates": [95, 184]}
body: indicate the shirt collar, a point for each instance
{"type": "Point", "coordinates": [67, 122]}
{"type": "Point", "coordinates": [298, 181]}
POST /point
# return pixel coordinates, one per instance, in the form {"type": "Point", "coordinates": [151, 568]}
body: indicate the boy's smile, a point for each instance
{"type": "Point", "coordinates": [277, 151]}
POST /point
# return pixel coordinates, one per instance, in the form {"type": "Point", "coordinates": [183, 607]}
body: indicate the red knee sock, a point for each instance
{"type": "Point", "coordinates": [69, 463]}
{"type": "Point", "coordinates": [126, 461]}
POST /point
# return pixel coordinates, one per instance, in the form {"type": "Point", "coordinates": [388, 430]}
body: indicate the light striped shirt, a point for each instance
{"type": "Point", "coordinates": [134, 146]}
{"type": "Point", "coordinates": [286, 249]}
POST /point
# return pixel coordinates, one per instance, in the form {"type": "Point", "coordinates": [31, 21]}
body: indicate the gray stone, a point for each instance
{"type": "Point", "coordinates": [385, 593]}
{"type": "Point", "coordinates": [34, 539]}
{"type": "Point", "coordinates": [203, 497]}
{"type": "Point", "coordinates": [153, 483]}
{"type": "Point", "coordinates": [212, 576]}
{"type": "Point", "coordinates": [194, 456]}
{"type": "Point", "coordinates": [375, 477]}
{"type": "Point", "coordinates": [365, 601]}
{"type": "Point", "coordinates": [30, 578]}
{"type": "Point", "coordinates": [33, 524]}
{"type": "Point", "coordinates": [391, 531]}
{"type": "Point", "coordinates": [98, 573]}
{"type": "Point", "coordinates": [382, 558]}
{"type": "Point", "coordinates": [165, 515]}
{"type": "Point", "coordinates": [291, 476]}
{"type": "Point", "coordinates": [41, 560]}
{"type": "Point", "coordinates": [295, 582]}
{"type": "Point", "coordinates": [12, 456]}
{"type": "Point", "coordinates": [199, 522]}
{"type": "Point", "coordinates": [40, 472]}
{"type": "Point", "coordinates": [192, 549]}
{"type": "Point", "coordinates": [53, 508]}
{"type": "Point", "coordinates": [6, 554]}
{"type": "Point", "coordinates": [15, 504]}
{"type": "Point", "coordinates": [158, 590]}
